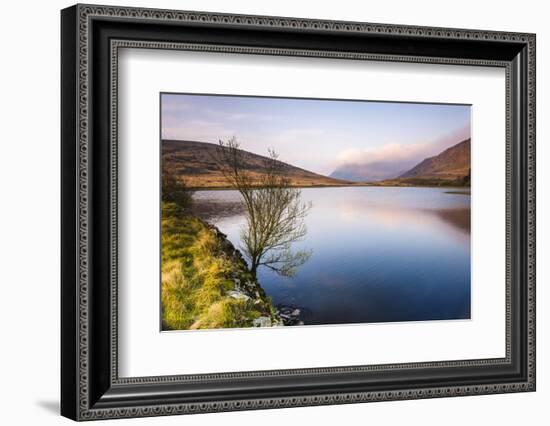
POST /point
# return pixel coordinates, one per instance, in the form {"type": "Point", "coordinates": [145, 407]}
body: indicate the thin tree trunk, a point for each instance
{"type": "Point", "coordinates": [254, 267]}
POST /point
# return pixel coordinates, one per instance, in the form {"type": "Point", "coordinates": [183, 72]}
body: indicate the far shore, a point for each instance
{"type": "Point", "coordinates": [462, 189]}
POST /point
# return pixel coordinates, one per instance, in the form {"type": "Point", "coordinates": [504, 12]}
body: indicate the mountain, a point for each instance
{"type": "Point", "coordinates": [453, 164]}
{"type": "Point", "coordinates": [195, 162]}
{"type": "Point", "coordinates": [370, 172]}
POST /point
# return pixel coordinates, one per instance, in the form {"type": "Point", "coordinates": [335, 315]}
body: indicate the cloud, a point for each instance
{"type": "Point", "coordinates": [172, 105]}
{"type": "Point", "coordinates": [195, 130]}
{"type": "Point", "coordinates": [391, 159]}
{"type": "Point", "coordinates": [392, 152]}
{"type": "Point", "coordinates": [384, 162]}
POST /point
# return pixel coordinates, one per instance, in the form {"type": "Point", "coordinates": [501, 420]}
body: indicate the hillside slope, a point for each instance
{"type": "Point", "coordinates": [451, 164]}
{"type": "Point", "coordinates": [195, 162]}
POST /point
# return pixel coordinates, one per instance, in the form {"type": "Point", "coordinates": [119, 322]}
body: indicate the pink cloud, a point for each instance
{"type": "Point", "coordinates": [391, 159]}
{"type": "Point", "coordinates": [399, 152]}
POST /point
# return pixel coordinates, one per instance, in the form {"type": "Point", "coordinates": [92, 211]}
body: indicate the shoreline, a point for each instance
{"type": "Point", "coordinates": [281, 315]}
{"type": "Point", "coordinates": [206, 282]}
{"type": "Point", "coordinates": [358, 185]}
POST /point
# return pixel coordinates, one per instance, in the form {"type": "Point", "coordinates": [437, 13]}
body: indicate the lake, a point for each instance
{"type": "Point", "coordinates": [378, 254]}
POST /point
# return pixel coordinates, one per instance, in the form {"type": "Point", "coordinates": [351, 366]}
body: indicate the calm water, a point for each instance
{"type": "Point", "coordinates": [378, 254]}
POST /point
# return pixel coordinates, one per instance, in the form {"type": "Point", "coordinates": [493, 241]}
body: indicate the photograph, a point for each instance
{"type": "Point", "coordinates": [297, 212]}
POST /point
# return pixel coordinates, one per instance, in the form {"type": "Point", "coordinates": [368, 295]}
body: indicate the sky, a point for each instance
{"type": "Point", "coordinates": [318, 135]}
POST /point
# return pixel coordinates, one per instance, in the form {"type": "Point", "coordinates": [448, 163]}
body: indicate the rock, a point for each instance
{"type": "Point", "coordinates": [262, 322]}
{"type": "Point", "coordinates": [235, 294]}
{"type": "Point", "coordinates": [290, 315]}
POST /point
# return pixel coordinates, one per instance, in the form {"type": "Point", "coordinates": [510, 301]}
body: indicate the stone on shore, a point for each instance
{"type": "Point", "coordinates": [236, 294]}
{"type": "Point", "coordinates": [262, 322]}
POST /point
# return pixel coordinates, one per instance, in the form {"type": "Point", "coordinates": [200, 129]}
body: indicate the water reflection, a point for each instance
{"type": "Point", "coordinates": [379, 254]}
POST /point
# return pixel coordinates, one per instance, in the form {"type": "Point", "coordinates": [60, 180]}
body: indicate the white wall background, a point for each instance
{"type": "Point", "coordinates": [29, 213]}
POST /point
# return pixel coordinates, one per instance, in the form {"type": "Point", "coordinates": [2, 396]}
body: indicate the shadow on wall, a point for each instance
{"type": "Point", "coordinates": [50, 406]}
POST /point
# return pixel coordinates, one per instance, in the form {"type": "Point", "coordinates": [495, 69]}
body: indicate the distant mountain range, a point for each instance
{"type": "Point", "coordinates": [452, 166]}
{"type": "Point", "coordinates": [370, 172]}
{"type": "Point", "coordinates": [195, 161]}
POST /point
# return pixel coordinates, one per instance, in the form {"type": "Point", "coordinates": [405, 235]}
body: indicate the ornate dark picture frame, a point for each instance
{"type": "Point", "coordinates": [91, 37]}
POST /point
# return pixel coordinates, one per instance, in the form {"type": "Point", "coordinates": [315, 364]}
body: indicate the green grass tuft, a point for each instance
{"type": "Point", "coordinates": [196, 278]}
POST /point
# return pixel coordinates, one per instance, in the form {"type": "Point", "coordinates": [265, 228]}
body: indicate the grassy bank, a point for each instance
{"type": "Point", "coordinates": [205, 283]}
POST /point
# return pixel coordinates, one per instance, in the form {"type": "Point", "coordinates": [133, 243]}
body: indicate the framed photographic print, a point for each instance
{"type": "Point", "coordinates": [263, 212]}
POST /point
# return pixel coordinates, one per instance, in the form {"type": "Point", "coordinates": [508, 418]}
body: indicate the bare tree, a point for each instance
{"type": "Point", "coordinates": [275, 212]}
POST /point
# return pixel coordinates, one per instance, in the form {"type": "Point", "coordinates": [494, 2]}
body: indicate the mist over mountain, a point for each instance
{"type": "Point", "coordinates": [371, 172]}
{"type": "Point", "coordinates": [195, 163]}
{"type": "Point", "coordinates": [451, 164]}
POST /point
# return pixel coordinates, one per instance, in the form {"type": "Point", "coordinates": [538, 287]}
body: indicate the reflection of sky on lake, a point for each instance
{"type": "Point", "coordinates": [379, 254]}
